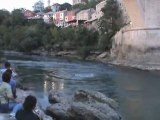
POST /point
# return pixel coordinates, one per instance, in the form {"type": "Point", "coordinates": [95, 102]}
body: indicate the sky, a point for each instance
{"type": "Point", "coordinates": [14, 4]}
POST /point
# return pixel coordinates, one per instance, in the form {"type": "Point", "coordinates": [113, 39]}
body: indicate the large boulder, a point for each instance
{"type": "Point", "coordinates": [92, 111]}
{"type": "Point", "coordinates": [84, 105]}
{"type": "Point", "coordinates": [57, 96]}
{"type": "Point", "coordinates": [58, 111]}
{"type": "Point", "coordinates": [94, 97]}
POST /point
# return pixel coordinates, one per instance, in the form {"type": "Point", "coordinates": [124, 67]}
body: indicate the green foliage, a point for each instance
{"type": "Point", "coordinates": [86, 41]}
{"type": "Point", "coordinates": [17, 17]}
{"type": "Point", "coordinates": [3, 16]}
{"type": "Point", "coordinates": [47, 9]}
{"type": "Point", "coordinates": [22, 35]}
{"type": "Point", "coordinates": [109, 24]}
{"type": "Point", "coordinates": [65, 6]}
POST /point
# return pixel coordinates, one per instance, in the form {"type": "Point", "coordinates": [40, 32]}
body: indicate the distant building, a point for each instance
{"type": "Point", "coordinates": [78, 2]}
{"type": "Point", "coordinates": [85, 14]}
{"type": "Point", "coordinates": [48, 17]}
{"type": "Point", "coordinates": [99, 9]}
{"type": "Point", "coordinates": [70, 18]}
{"type": "Point", "coordinates": [55, 7]}
{"type": "Point", "coordinates": [59, 18]}
{"type": "Point", "coordinates": [38, 6]}
{"type": "Point", "coordinates": [49, 3]}
{"type": "Point", "coordinates": [92, 23]}
{"type": "Point", "coordinates": [28, 14]}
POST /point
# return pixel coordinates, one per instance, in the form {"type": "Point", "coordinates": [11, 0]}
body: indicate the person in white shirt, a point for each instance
{"type": "Point", "coordinates": [7, 100]}
{"type": "Point", "coordinates": [13, 82]}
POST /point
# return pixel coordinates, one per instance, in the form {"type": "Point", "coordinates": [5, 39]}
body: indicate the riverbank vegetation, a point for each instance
{"type": "Point", "coordinates": [20, 34]}
{"type": "Point", "coordinates": [111, 22]}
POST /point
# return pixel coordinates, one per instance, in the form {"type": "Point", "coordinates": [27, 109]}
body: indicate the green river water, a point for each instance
{"type": "Point", "coordinates": [136, 91]}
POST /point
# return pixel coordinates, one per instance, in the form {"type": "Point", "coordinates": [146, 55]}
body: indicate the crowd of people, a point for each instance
{"type": "Point", "coordinates": [8, 103]}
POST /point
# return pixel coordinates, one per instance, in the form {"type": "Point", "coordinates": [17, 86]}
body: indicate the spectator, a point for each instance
{"type": "Point", "coordinates": [7, 65]}
{"type": "Point", "coordinates": [6, 97]}
{"type": "Point", "coordinates": [27, 112]}
{"type": "Point", "coordinates": [13, 82]}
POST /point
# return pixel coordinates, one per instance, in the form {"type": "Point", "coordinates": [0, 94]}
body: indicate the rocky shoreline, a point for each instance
{"type": "Point", "coordinates": [82, 105]}
{"type": "Point", "coordinates": [104, 57]}
{"type": "Point", "coordinates": [21, 94]}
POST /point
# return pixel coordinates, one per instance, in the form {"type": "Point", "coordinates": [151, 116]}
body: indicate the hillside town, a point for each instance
{"type": "Point", "coordinates": [65, 18]}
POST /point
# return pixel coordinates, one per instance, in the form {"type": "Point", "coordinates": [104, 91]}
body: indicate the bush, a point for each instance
{"type": "Point", "coordinates": [109, 24]}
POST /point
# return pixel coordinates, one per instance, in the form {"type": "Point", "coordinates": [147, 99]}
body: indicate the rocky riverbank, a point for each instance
{"type": "Point", "coordinates": [21, 94]}
{"type": "Point", "coordinates": [83, 105]}
{"type": "Point", "coordinates": [104, 57]}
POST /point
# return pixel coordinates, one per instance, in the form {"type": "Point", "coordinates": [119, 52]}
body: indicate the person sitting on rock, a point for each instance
{"type": "Point", "coordinates": [27, 112]}
{"type": "Point", "coordinates": [13, 82]}
{"type": "Point", "coordinates": [7, 101]}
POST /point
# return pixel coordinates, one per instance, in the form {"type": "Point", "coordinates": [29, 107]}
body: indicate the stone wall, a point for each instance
{"type": "Point", "coordinates": [134, 12]}
{"type": "Point", "coordinates": [137, 47]}
{"type": "Point", "coordinates": [151, 12]}
{"type": "Point", "coordinates": [138, 44]}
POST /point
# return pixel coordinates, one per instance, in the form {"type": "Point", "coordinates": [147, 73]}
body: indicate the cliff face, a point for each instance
{"type": "Point", "coordinates": [138, 44]}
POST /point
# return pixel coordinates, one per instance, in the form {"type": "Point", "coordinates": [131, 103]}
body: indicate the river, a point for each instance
{"type": "Point", "coordinates": [136, 91]}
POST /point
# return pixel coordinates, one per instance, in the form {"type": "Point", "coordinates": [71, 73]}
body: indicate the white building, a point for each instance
{"type": "Point", "coordinates": [99, 9]}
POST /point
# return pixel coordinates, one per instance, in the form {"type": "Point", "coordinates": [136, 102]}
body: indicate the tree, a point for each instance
{"type": "Point", "coordinates": [47, 9]}
{"type": "Point", "coordinates": [109, 24]}
{"type": "Point", "coordinates": [17, 17]}
{"type": "Point", "coordinates": [4, 15]}
{"type": "Point", "coordinates": [85, 41]}
{"type": "Point", "coordinates": [65, 6]}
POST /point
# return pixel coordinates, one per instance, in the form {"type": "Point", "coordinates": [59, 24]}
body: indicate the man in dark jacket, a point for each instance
{"type": "Point", "coordinates": [27, 112]}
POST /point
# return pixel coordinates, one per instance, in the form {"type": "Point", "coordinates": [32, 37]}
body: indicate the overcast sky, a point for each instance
{"type": "Point", "coordinates": [13, 4]}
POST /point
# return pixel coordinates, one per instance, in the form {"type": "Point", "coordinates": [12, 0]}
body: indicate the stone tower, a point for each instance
{"type": "Point", "coordinates": [49, 2]}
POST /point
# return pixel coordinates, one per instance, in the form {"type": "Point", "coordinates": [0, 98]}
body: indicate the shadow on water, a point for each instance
{"type": "Point", "coordinates": [137, 91]}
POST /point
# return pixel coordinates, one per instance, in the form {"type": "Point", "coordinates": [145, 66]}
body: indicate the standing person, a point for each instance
{"type": "Point", "coordinates": [7, 101]}
{"type": "Point", "coordinates": [7, 65]}
{"type": "Point", "coordinates": [13, 82]}
{"type": "Point", "coordinates": [27, 112]}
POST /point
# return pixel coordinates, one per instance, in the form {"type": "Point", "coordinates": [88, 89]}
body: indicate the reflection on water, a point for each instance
{"type": "Point", "coordinates": [137, 91]}
{"type": "Point", "coordinates": [52, 85]}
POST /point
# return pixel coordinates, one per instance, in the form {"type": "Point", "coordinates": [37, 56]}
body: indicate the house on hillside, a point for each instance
{"type": "Point", "coordinates": [32, 16]}
{"type": "Point", "coordinates": [71, 18]}
{"type": "Point", "coordinates": [99, 9]}
{"type": "Point", "coordinates": [29, 13]}
{"type": "Point", "coordinates": [92, 23]}
{"type": "Point", "coordinates": [84, 15]}
{"type": "Point", "coordinates": [59, 18]}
